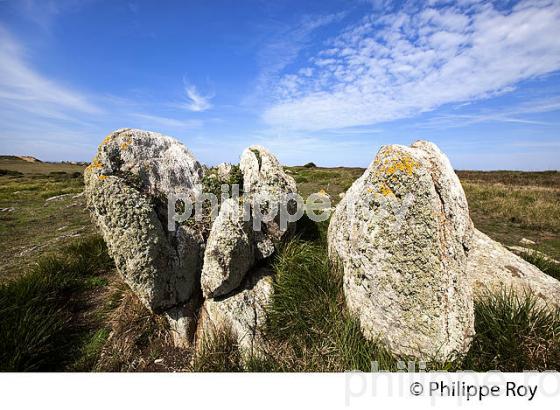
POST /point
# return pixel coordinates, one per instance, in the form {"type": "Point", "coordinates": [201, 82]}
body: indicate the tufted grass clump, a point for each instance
{"type": "Point", "coordinates": [307, 322]}
{"type": "Point", "coordinates": [38, 310]}
{"type": "Point", "coordinates": [219, 353]}
{"type": "Point", "coordinates": [311, 330]}
{"type": "Point", "coordinates": [545, 264]}
{"type": "Point", "coordinates": [513, 334]}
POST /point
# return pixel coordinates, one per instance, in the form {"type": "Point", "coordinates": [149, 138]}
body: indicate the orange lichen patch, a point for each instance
{"type": "Point", "coordinates": [125, 144]}
{"type": "Point", "coordinates": [404, 164]}
{"type": "Point", "coordinates": [323, 192]}
{"type": "Point", "coordinates": [370, 190]}
{"type": "Point", "coordinates": [385, 190]}
{"type": "Point", "coordinates": [107, 139]}
{"type": "Point", "coordinates": [96, 164]}
{"type": "Point", "coordinates": [102, 177]}
{"type": "Point", "coordinates": [398, 162]}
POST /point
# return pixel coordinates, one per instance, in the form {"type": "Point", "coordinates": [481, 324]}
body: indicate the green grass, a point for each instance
{"type": "Point", "coordinates": [511, 205]}
{"type": "Point", "coordinates": [334, 181]}
{"type": "Point", "coordinates": [546, 265]}
{"type": "Point", "coordinates": [92, 344]}
{"type": "Point", "coordinates": [527, 207]}
{"type": "Point", "coordinates": [309, 329]}
{"type": "Point", "coordinates": [39, 329]}
{"type": "Point", "coordinates": [53, 313]}
{"type": "Point", "coordinates": [24, 167]}
{"type": "Point", "coordinates": [549, 179]}
{"type": "Point", "coordinates": [36, 226]}
{"type": "Point", "coordinates": [218, 354]}
{"type": "Point", "coordinates": [514, 334]}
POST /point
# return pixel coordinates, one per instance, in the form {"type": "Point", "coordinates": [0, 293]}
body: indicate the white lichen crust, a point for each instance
{"type": "Point", "coordinates": [242, 313]}
{"type": "Point", "coordinates": [126, 187]}
{"type": "Point", "coordinates": [401, 235]}
{"type": "Point", "coordinates": [230, 251]}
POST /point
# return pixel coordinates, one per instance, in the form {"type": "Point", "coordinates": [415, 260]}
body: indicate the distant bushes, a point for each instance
{"type": "Point", "coordinates": [310, 165]}
{"type": "Point", "coordinates": [9, 172]}
{"type": "Point", "coordinates": [65, 174]}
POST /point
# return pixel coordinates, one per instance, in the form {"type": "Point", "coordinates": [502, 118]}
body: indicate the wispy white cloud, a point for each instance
{"type": "Point", "coordinates": [196, 101]}
{"type": "Point", "coordinates": [283, 48]}
{"type": "Point", "coordinates": [514, 114]}
{"type": "Point", "coordinates": [398, 65]}
{"type": "Point", "coordinates": [38, 111]}
{"type": "Point", "coordinates": [24, 88]}
{"type": "Point", "coordinates": [354, 131]}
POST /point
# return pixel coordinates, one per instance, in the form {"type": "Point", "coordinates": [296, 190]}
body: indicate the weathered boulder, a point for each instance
{"type": "Point", "coordinates": [266, 184]}
{"type": "Point", "coordinates": [126, 187]}
{"type": "Point", "coordinates": [234, 245]}
{"type": "Point", "coordinates": [183, 320]}
{"type": "Point", "coordinates": [493, 269]}
{"type": "Point", "coordinates": [237, 292]}
{"type": "Point", "coordinates": [400, 234]}
{"type": "Point", "coordinates": [242, 313]}
{"type": "Point", "coordinates": [230, 250]}
{"type": "Point", "coordinates": [224, 171]}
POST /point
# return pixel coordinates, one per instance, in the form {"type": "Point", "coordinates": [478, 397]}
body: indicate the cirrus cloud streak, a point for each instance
{"type": "Point", "coordinates": [399, 65]}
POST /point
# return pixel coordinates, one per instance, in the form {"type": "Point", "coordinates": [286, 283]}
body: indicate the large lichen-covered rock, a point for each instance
{"type": "Point", "coordinates": [265, 182]}
{"type": "Point", "coordinates": [242, 313]}
{"type": "Point", "coordinates": [401, 235]}
{"type": "Point", "coordinates": [234, 245]}
{"type": "Point", "coordinates": [230, 250]}
{"type": "Point", "coordinates": [494, 269]}
{"type": "Point", "coordinates": [262, 173]}
{"type": "Point", "coordinates": [126, 187]}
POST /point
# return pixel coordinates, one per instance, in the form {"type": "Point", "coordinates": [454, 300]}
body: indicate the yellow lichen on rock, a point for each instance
{"type": "Point", "coordinates": [125, 144]}
{"type": "Point", "coordinates": [397, 161]}
{"type": "Point", "coordinates": [106, 139]}
{"type": "Point", "coordinates": [385, 190]}
{"type": "Point", "coordinates": [96, 164]}
{"type": "Point", "coordinates": [404, 163]}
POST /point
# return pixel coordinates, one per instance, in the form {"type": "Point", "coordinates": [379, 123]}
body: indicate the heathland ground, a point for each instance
{"type": "Point", "coordinates": [63, 307]}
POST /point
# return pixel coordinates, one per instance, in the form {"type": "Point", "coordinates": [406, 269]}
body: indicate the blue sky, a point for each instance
{"type": "Point", "coordinates": [327, 81]}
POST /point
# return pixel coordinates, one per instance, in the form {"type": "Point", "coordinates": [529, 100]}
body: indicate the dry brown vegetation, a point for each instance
{"type": "Point", "coordinates": [139, 340]}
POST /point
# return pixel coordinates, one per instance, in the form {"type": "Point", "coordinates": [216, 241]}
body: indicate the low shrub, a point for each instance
{"type": "Point", "coordinates": [9, 172]}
